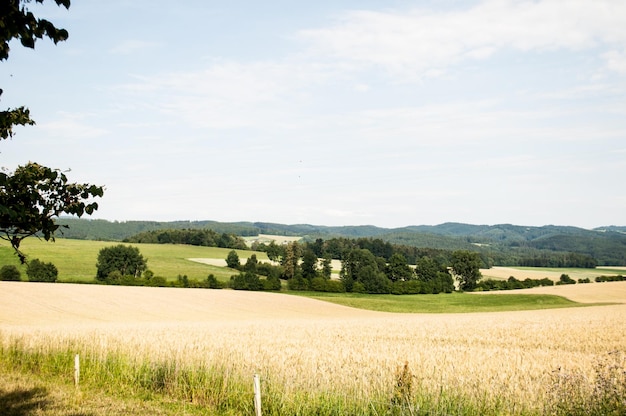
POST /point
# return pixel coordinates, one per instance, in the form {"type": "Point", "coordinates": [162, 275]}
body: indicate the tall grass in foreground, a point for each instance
{"type": "Point", "coordinates": [224, 387]}
{"type": "Point", "coordinates": [220, 389]}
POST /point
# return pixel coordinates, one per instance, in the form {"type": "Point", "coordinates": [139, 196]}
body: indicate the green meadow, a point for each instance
{"type": "Point", "coordinates": [76, 259]}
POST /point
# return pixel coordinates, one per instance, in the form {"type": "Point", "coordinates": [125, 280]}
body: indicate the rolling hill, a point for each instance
{"type": "Point", "coordinates": [505, 244]}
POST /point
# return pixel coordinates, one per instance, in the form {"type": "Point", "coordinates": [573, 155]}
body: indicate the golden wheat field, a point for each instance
{"type": "Point", "coordinates": [303, 344]}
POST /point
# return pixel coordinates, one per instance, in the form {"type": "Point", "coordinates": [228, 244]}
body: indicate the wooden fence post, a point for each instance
{"type": "Point", "coordinates": [257, 395]}
{"type": "Point", "coordinates": [76, 369]}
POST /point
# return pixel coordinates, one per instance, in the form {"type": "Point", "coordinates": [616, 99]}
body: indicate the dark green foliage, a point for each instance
{"type": "Point", "coordinates": [565, 280]}
{"type": "Point", "coordinates": [213, 283]}
{"type": "Point", "coordinates": [246, 281]}
{"type": "Point", "coordinates": [362, 267]}
{"type": "Point", "coordinates": [274, 251]}
{"type": "Point", "coordinates": [409, 287]}
{"type": "Point", "coordinates": [309, 264]}
{"type": "Point", "coordinates": [183, 281]}
{"type": "Point", "coordinates": [271, 283]}
{"type": "Point", "coordinates": [560, 260]}
{"type": "Point", "coordinates": [318, 284]}
{"type": "Point", "coordinates": [251, 264]}
{"type": "Point", "coordinates": [10, 273]}
{"type": "Point", "coordinates": [269, 270]}
{"type": "Point", "coordinates": [19, 23]}
{"type": "Point", "coordinates": [334, 286]}
{"type": "Point", "coordinates": [434, 276]}
{"type": "Point", "coordinates": [617, 278]}
{"type": "Point", "coordinates": [373, 280]}
{"type": "Point", "coordinates": [466, 268]}
{"type": "Point", "coordinates": [33, 196]}
{"type": "Point", "coordinates": [127, 260]}
{"type": "Point", "coordinates": [39, 271]}
{"type": "Point", "coordinates": [327, 267]}
{"type": "Point", "coordinates": [156, 281]}
{"type": "Point", "coordinates": [194, 237]}
{"type": "Point", "coordinates": [298, 283]}
{"type": "Point", "coordinates": [232, 260]}
{"type": "Point", "coordinates": [398, 268]}
{"type": "Point", "coordinates": [513, 283]}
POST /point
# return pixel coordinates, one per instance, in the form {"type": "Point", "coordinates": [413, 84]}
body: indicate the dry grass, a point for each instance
{"type": "Point", "coordinates": [503, 273]}
{"type": "Point", "coordinates": [504, 360]}
{"type": "Point", "coordinates": [268, 238]}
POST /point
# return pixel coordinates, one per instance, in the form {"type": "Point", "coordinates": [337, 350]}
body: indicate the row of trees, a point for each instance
{"type": "Point", "coordinates": [560, 260]}
{"type": "Point", "coordinates": [364, 272]}
{"type": "Point", "coordinates": [299, 266]}
{"type": "Point", "coordinates": [194, 237]}
{"type": "Point", "coordinates": [338, 247]}
{"type": "Point", "coordinates": [513, 283]}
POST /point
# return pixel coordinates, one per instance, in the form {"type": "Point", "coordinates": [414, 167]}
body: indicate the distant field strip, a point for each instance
{"type": "Point", "coordinates": [522, 273]}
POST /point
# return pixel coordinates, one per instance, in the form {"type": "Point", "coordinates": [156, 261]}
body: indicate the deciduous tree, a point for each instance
{"type": "Point", "coordinates": [232, 260]}
{"type": "Point", "coordinates": [466, 268]}
{"type": "Point", "coordinates": [33, 195]}
{"type": "Point", "coordinates": [126, 260]}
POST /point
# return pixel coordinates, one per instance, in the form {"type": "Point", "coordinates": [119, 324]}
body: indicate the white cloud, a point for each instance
{"type": "Point", "coordinates": [616, 60]}
{"type": "Point", "coordinates": [230, 94]}
{"type": "Point", "coordinates": [422, 42]}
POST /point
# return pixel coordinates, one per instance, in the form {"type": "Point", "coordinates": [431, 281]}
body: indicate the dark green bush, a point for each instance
{"type": "Point", "coordinates": [10, 273]}
{"type": "Point", "coordinates": [39, 271]}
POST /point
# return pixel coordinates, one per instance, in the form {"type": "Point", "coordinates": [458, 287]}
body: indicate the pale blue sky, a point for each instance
{"type": "Point", "coordinates": [333, 112]}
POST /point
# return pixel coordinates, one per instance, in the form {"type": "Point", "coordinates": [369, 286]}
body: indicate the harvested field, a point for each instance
{"type": "Point", "coordinates": [504, 273]}
{"type": "Point", "coordinates": [505, 360]}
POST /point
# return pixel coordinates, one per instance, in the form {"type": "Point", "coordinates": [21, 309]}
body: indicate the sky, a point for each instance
{"type": "Point", "coordinates": [387, 113]}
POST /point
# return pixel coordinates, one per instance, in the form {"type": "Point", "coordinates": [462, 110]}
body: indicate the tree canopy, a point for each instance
{"type": "Point", "coordinates": [466, 267]}
{"type": "Point", "coordinates": [33, 196]}
{"type": "Point", "coordinates": [125, 260]}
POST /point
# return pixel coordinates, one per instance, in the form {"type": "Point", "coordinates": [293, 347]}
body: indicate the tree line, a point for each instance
{"type": "Point", "coordinates": [307, 266]}
{"type": "Point", "coordinates": [299, 268]}
{"type": "Point", "coordinates": [195, 237]}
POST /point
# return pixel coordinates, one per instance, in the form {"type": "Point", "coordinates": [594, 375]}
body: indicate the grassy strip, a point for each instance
{"type": "Point", "coordinates": [115, 384]}
{"type": "Point", "coordinates": [446, 303]}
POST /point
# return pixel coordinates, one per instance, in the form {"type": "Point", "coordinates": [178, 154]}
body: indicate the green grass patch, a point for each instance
{"type": "Point", "coordinates": [76, 259]}
{"type": "Point", "coordinates": [445, 303]}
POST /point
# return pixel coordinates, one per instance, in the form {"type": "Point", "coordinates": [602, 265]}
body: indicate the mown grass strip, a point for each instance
{"type": "Point", "coordinates": [447, 303]}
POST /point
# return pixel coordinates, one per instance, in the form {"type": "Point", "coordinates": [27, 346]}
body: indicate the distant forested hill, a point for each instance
{"type": "Point", "coordinates": [504, 244]}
